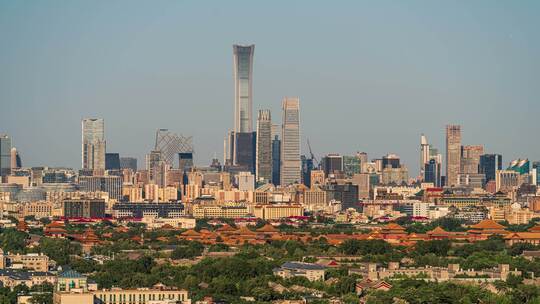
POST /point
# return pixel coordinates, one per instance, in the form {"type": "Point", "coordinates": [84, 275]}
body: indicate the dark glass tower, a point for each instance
{"type": "Point", "coordinates": [489, 164]}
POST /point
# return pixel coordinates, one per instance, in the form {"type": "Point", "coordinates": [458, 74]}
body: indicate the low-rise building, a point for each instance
{"type": "Point", "coordinates": [313, 272]}
{"type": "Point", "coordinates": [31, 261]}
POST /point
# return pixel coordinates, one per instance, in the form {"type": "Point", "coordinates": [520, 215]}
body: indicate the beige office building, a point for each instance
{"type": "Point", "coordinates": [453, 154]}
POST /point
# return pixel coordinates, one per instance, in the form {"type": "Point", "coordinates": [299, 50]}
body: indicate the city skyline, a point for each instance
{"type": "Point", "coordinates": [353, 102]}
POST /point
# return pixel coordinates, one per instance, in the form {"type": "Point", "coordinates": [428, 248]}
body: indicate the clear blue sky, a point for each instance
{"type": "Point", "coordinates": [371, 76]}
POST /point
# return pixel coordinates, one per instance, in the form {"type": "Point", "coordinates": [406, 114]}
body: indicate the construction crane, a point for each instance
{"type": "Point", "coordinates": [311, 154]}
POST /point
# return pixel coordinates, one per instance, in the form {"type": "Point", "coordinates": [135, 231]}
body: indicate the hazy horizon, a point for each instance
{"type": "Point", "coordinates": [371, 76]}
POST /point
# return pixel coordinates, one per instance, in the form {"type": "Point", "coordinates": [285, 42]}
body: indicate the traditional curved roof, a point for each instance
{"type": "Point", "coordinates": [55, 225]}
{"type": "Point", "coordinates": [226, 228]}
{"type": "Point", "coordinates": [190, 232]}
{"type": "Point", "coordinates": [535, 228]}
{"type": "Point", "coordinates": [393, 226]}
{"type": "Point", "coordinates": [488, 224]}
{"type": "Point", "coordinates": [267, 228]}
{"type": "Point", "coordinates": [244, 231]}
{"type": "Point", "coordinates": [438, 230]}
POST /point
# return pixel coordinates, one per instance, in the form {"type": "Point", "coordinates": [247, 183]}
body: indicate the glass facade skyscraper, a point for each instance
{"type": "Point", "coordinates": [264, 146]}
{"type": "Point", "coordinates": [5, 155]}
{"type": "Point", "coordinates": [243, 93]}
{"type": "Point", "coordinates": [93, 144]}
{"type": "Point", "coordinates": [290, 144]}
{"type": "Point", "coordinates": [489, 164]}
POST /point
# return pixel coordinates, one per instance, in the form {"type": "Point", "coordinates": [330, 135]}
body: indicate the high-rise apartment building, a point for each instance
{"type": "Point", "coordinates": [290, 144]}
{"type": "Point", "coordinates": [264, 146]}
{"type": "Point", "coordinates": [5, 155]}
{"type": "Point", "coordinates": [453, 154]}
{"type": "Point", "coordinates": [93, 144]}
{"type": "Point", "coordinates": [470, 158]}
{"type": "Point", "coordinates": [243, 93]}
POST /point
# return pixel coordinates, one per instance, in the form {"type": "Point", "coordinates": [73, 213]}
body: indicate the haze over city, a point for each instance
{"type": "Point", "coordinates": [371, 76]}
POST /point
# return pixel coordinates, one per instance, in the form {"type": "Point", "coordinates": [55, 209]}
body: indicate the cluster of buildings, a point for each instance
{"type": "Point", "coordinates": [263, 175]}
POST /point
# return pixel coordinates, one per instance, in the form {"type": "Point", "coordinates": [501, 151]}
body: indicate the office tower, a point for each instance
{"type": "Point", "coordinates": [5, 155]}
{"type": "Point", "coordinates": [112, 161]}
{"type": "Point", "coordinates": [535, 173]}
{"type": "Point", "coordinates": [351, 165]}
{"type": "Point", "coordinates": [93, 144]}
{"type": "Point", "coordinates": [171, 144]}
{"type": "Point", "coordinates": [432, 172]}
{"type": "Point", "coordinates": [424, 153]}
{"type": "Point", "coordinates": [397, 176]}
{"type": "Point", "coordinates": [489, 164]}
{"type": "Point", "coordinates": [264, 146]}
{"type": "Point", "coordinates": [453, 153]}
{"type": "Point", "coordinates": [245, 151]}
{"type": "Point", "coordinates": [332, 164]}
{"type": "Point", "coordinates": [243, 93]}
{"type": "Point", "coordinates": [390, 160]}
{"type": "Point", "coordinates": [128, 163]}
{"type": "Point", "coordinates": [276, 154]}
{"type": "Point", "coordinates": [13, 158]}
{"type": "Point", "coordinates": [290, 144]}
{"type": "Point", "coordinates": [363, 158]}
{"type": "Point", "coordinates": [470, 158]}
{"type": "Point", "coordinates": [152, 165]}
{"type": "Point", "coordinates": [307, 167]}
{"type": "Point", "coordinates": [185, 161]}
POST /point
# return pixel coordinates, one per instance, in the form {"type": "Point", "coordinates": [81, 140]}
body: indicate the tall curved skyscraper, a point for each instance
{"type": "Point", "coordinates": [243, 93]}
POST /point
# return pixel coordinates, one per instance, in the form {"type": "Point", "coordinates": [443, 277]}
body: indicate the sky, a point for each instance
{"type": "Point", "coordinates": [371, 75]}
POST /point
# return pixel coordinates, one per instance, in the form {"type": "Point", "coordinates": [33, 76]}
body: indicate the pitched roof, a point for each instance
{"type": "Point", "coordinates": [267, 228]}
{"type": "Point", "coordinates": [245, 231]}
{"type": "Point", "coordinates": [225, 228]}
{"type": "Point", "coordinates": [488, 224]}
{"type": "Point", "coordinates": [190, 232]}
{"type": "Point", "coordinates": [535, 228]}
{"type": "Point", "coordinates": [438, 230]}
{"type": "Point", "coordinates": [393, 226]}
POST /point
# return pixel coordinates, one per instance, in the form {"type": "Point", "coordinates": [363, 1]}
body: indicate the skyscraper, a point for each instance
{"type": "Point", "coordinates": [15, 159]}
{"type": "Point", "coordinates": [243, 94]}
{"type": "Point", "coordinates": [276, 154]}
{"type": "Point", "coordinates": [5, 155]}
{"type": "Point", "coordinates": [264, 146]}
{"type": "Point", "coordinates": [424, 153]}
{"type": "Point", "coordinates": [470, 158]}
{"type": "Point", "coordinates": [432, 172]}
{"type": "Point", "coordinates": [112, 161]}
{"type": "Point", "coordinates": [128, 163]}
{"type": "Point", "coordinates": [93, 144]}
{"type": "Point", "coordinates": [453, 154]}
{"type": "Point", "coordinates": [290, 144]}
